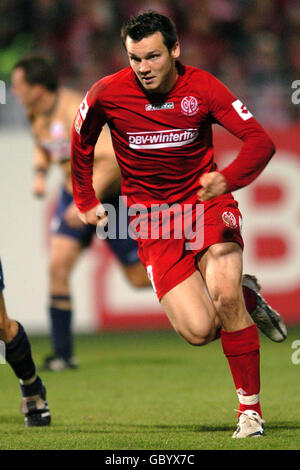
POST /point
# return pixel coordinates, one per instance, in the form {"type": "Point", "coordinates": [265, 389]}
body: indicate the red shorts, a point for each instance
{"type": "Point", "coordinates": [170, 255]}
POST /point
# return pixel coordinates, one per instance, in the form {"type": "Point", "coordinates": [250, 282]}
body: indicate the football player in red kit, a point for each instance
{"type": "Point", "coordinates": [160, 114]}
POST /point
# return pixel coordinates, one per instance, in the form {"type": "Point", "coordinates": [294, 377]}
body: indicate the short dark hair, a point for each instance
{"type": "Point", "coordinates": [148, 23]}
{"type": "Point", "coordinates": [38, 71]}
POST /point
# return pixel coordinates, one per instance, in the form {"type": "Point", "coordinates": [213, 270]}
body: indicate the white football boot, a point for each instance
{"type": "Point", "coordinates": [265, 317]}
{"type": "Point", "coordinates": [250, 424]}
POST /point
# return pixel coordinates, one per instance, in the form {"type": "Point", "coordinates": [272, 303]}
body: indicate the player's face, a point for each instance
{"type": "Point", "coordinates": [26, 94]}
{"type": "Point", "coordinates": [153, 63]}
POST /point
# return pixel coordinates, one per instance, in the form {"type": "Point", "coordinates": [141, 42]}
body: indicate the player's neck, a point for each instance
{"type": "Point", "coordinates": [46, 103]}
{"type": "Point", "coordinates": [172, 80]}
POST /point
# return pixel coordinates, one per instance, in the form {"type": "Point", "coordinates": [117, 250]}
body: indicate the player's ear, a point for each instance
{"type": "Point", "coordinates": [175, 52]}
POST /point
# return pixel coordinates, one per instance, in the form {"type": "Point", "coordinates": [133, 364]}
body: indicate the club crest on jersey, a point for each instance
{"type": "Point", "coordinates": [189, 105]}
{"type": "Point", "coordinates": [229, 219]}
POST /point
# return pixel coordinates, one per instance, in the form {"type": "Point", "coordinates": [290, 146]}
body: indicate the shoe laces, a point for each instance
{"type": "Point", "coordinates": [253, 418]}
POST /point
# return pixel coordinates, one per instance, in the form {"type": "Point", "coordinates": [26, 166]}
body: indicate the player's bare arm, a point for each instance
{"type": "Point", "coordinates": [41, 165]}
{"type": "Point", "coordinates": [106, 180]}
{"type": "Point", "coordinates": [105, 171]}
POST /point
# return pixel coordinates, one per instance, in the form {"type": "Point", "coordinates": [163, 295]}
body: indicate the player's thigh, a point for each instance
{"type": "Point", "coordinates": [190, 310]}
{"type": "Point", "coordinates": [221, 267]}
{"type": "Point", "coordinates": [64, 252]}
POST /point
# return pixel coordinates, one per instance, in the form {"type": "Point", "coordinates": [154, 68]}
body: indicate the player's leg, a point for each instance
{"type": "Point", "coordinates": [136, 274]}
{"type": "Point", "coordinates": [19, 357]}
{"type": "Point", "coordinates": [64, 252]}
{"type": "Point", "coordinates": [221, 267]}
{"type": "Point", "coordinates": [191, 311]}
{"type": "Point", "coordinates": [66, 245]}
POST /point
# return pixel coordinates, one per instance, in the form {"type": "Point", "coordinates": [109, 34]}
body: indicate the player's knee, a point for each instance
{"type": "Point", "coordinates": [4, 327]}
{"type": "Point", "coordinates": [138, 282]}
{"type": "Point", "coordinates": [227, 304]}
{"type": "Point", "coordinates": [58, 270]}
{"type": "Point", "coordinates": [197, 335]}
{"type": "Point", "coordinates": [137, 277]}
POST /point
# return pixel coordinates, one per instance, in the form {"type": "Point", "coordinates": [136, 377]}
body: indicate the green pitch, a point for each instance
{"type": "Point", "coordinates": [153, 391]}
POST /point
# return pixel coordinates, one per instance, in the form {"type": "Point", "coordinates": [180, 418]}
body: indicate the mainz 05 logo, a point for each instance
{"type": "Point", "coordinates": [189, 105]}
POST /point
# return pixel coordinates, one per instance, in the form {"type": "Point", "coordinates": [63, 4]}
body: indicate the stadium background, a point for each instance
{"type": "Point", "coordinates": [252, 46]}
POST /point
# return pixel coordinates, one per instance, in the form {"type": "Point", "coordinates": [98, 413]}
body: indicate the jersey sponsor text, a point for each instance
{"type": "Point", "coordinates": [161, 139]}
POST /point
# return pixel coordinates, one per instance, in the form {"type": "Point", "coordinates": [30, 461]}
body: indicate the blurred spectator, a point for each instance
{"type": "Point", "coordinates": [251, 45]}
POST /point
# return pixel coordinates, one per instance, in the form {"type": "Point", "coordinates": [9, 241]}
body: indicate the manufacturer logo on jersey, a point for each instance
{"type": "Point", "coordinates": [81, 114]}
{"type": "Point", "coordinates": [78, 123]}
{"type": "Point", "coordinates": [84, 107]}
{"type": "Point", "coordinates": [229, 219]}
{"type": "Point", "coordinates": [161, 139]}
{"type": "Point", "coordinates": [189, 105]}
{"type": "Point", "coordinates": [241, 110]}
{"type": "Point", "coordinates": [158, 107]}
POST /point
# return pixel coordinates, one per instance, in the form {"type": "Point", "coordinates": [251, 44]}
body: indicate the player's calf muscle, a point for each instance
{"type": "Point", "coordinates": [4, 321]}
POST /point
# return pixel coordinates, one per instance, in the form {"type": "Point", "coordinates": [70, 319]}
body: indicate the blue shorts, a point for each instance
{"type": "Point", "coordinates": [126, 250]}
{"type": "Point", "coordinates": [1, 278]}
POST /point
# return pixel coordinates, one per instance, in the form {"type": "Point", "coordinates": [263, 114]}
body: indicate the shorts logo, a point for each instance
{"type": "Point", "coordinates": [189, 105]}
{"type": "Point", "coordinates": [242, 110]}
{"type": "Point", "coordinates": [229, 219]}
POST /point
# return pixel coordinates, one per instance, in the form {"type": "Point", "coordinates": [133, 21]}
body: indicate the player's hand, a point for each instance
{"type": "Point", "coordinates": [213, 184]}
{"type": "Point", "coordinates": [71, 216]}
{"type": "Point", "coordinates": [39, 186]}
{"type": "Point", "coordinates": [95, 216]}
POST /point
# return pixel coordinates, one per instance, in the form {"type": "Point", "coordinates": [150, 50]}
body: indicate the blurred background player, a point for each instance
{"type": "Point", "coordinates": [18, 354]}
{"type": "Point", "coordinates": [51, 110]}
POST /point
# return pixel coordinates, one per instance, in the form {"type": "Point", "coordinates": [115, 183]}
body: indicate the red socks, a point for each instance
{"type": "Point", "coordinates": [241, 348]}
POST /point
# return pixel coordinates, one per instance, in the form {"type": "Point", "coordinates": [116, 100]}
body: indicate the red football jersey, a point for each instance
{"type": "Point", "coordinates": [163, 143]}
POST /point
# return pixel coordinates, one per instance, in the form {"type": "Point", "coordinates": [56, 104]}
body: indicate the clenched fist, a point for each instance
{"type": "Point", "coordinates": [95, 216]}
{"type": "Point", "coordinates": [213, 184]}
